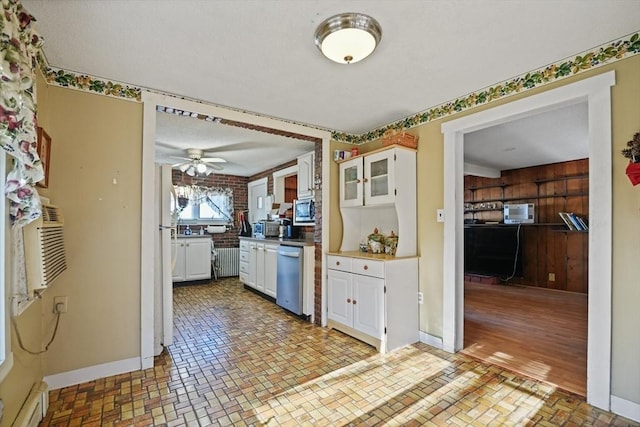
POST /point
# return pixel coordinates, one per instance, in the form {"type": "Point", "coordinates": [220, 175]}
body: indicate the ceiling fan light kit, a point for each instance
{"type": "Point", "coordinates": [348, 38]}
{"type": "Point", "coordinates": [196, 164]}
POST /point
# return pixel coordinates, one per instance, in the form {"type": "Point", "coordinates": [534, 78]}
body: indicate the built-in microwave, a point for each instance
{"type": "Point", "coordinates": [304, 212]}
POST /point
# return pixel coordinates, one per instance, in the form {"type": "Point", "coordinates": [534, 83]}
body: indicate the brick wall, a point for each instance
{"type": "Point", "coordinates": [240, 201]}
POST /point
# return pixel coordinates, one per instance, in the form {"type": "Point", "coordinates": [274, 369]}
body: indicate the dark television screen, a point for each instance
{"type": "Point", "coordinates": [491, 250]}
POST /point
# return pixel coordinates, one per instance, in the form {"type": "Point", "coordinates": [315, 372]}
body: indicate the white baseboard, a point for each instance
{"type": "Point", "coordinates": [65, 379]}
{"type": "Point", "coordinates": [431, 340]}
{"type": "Point", "coordinates": [626, 408]}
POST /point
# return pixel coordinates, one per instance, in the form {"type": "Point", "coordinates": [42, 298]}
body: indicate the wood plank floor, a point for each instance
{"type": "Point", "coordinates": [537, 332]}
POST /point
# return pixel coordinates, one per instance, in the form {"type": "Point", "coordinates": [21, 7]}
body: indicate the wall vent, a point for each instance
{"type": "Point", "coordinates": [44, 249]}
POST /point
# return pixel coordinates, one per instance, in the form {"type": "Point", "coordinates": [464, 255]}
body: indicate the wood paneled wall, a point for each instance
{"type": "Point", "coordinates": [549, 249]}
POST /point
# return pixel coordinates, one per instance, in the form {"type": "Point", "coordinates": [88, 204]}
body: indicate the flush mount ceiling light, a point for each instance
{"type": "Point", "coordinates": [347, 38]}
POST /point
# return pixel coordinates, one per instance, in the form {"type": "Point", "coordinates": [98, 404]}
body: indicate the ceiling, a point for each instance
{"type": "Point", "coordinates": [246, 151]}
{"type": "Point", "coordinates": [259, 56]}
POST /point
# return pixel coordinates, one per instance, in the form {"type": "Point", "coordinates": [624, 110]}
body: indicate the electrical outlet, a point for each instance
{"type": "Point", "coordinates": [440, 215]}
{"type": "Point", "coordinates": [60, 304]}
{"type": "Point", "coordinates": [552, 277]}
{"type": "Point", "coordinates": [420, 298]}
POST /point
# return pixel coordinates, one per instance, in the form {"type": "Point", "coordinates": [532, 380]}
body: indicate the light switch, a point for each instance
{"type": "Point", "coordinates": [440, 215]}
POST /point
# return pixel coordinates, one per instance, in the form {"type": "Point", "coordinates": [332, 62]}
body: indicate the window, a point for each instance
{"type": "Point", "coordinates": [203, 204]}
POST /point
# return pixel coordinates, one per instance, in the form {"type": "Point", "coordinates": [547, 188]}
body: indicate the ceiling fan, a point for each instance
{"type": "Point", "coordinates": [197, 164]}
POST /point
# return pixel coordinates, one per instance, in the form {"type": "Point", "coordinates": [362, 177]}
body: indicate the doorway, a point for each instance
{"type": "Point", "coordinates": [596, 92]}
{"type": "Point", "coordinates": [149, 227]}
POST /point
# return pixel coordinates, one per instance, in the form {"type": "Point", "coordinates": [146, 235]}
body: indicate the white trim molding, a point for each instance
{"type": "Point", "coordinates": [431, 340]}
{"type": "Point", "coordinates": [82, 375]}
{"type": "Point", "coordinates": [596, 92]}
{"type": "Point", "coordinates": [626, 408]}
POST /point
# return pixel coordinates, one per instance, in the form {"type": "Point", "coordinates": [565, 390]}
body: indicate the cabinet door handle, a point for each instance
{"type": "Point", "coordinates": [358, 181]}
{"type": "Point", "coordinates": [348, 300]}
{"type": "Point", "coordinates": [337, 262]}
{"type": "Point", "coordinates": [366, 267]}
{"type": "Point", "coordinates": [365, 180]}
{"type": "Point", "coordinates": [354, 302]}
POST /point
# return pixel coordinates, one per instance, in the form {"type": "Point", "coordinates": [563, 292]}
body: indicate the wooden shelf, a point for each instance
{"type": "Point", "coordinates": [537, 224]}
{"type": "Point", "coordinates": [560, 230]}
{"type": "Point", "coordinates": [480, 187]}
{"type": "Point", "coordinates": [561, 178]}
{"type": "Point", "coordinates": [524, 198]}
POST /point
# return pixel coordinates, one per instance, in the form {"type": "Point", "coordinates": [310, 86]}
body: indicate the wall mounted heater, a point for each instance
{"type": "Point", "coordinates": [44, 249]}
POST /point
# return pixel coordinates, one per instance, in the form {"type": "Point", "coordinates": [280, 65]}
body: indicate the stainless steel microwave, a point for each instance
{"type": "Point", "coordinates": [304, 212]}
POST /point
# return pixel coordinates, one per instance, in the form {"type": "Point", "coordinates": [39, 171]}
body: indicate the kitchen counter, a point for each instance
{"type": "Point", "coordinates": [194, 236]}
{"type": "Point", "coordinates": [288, 242]}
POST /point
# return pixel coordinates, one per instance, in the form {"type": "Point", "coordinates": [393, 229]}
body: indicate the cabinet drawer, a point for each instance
{"type": "Point", "coordinates": [368, 267]}
{"type": "Point", "coordinates": [339, 263]}
{"type": "Point", "coordinates": [244, 245]}
{"type": "Point", "coordinates": [244, 267]}
{"type": "Point", "coordinates": [244, 278]}
{"type": "Point", "coordinates": [244, 256]}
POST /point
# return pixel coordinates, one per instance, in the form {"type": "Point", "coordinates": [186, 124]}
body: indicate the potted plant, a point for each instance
{"type": "Point", "coordinates": [632, 152]}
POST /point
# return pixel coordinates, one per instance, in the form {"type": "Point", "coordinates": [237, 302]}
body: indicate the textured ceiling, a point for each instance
{"type": "Point", "coordinates": [259, 56]}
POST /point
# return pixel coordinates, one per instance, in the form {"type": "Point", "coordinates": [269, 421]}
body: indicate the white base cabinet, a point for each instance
{"type": "Point", "coordinates": [259, 265]}
{"type": "Point", "coordinates": [193, 259]}
{"type": "Point", "coordinates": [374, 300]}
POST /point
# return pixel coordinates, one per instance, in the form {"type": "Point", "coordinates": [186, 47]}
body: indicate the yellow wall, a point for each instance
{"type": "Point", "coordinates": [95, 178]}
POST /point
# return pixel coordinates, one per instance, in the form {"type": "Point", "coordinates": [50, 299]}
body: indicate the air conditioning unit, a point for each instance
{"type": "Point", "coordinates": [44, 249]}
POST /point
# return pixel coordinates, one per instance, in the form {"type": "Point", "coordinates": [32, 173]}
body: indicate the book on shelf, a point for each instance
{"type": "Point", "coordinates": [573, 221]}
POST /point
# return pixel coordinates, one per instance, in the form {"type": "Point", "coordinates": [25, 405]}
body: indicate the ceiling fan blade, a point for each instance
{"type": "Point", "coordinates": [215, 166]}
{"type": "Point", "coordinates": [213, 160]}
{"type": "Point", "coordinates": [180, 158]}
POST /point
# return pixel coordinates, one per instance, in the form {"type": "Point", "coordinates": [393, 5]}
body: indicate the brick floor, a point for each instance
{"type": "Point", "coordinates": [239, 359]}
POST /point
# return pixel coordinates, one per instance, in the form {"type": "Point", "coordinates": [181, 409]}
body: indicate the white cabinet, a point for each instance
{"type": "Point", "coordinates": [369, 180]}
{"type": "Point", "coordinates": [261, 265]}
{"type": "Point", "coordinates": [253, 265]}
{"type": "Point", "coordinates": [193, 259]}
{"type": "Point", "coordinates": [378, 190]}
{"type": "Point", "coordinates": [375, 301]}
{"type": "Point", "coordinates": [306, 172]}
{"type": "Point", "coordinates": [356, 301]}
{"type": "Point", "coordinates": [244, 262]}
{"type": "Point", "coordinates": [270, 269]}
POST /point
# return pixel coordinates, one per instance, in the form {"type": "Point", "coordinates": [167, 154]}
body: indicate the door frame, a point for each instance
{"type": "Point", "coordinates": [596, 91]}
{"type": "Point", "coordinates": [149, 227]}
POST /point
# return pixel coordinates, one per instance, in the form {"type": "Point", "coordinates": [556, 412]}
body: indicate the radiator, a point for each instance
{"type": "Point", "coordinates": [44, 249]}
{"type": "Point", "coordinates": [228, 262]}
{"type": "Point", "coordinates": [34, 408]}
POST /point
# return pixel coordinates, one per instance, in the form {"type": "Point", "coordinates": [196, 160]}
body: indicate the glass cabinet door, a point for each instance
{"type": "Point", "coordinates": [379, 182]}
{"type": "Point", "coordinates": [351, 183]}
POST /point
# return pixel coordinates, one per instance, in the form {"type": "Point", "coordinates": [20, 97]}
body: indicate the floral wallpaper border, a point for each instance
{"type": "Point", "coordinates": [607, 53]}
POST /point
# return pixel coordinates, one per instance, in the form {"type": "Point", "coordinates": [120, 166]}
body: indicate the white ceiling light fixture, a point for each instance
{"type": "Point", "coordinates": [347, 38]}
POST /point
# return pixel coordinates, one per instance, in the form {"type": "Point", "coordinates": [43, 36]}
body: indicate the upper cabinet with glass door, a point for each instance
{"type": "Point", "coordinates": [369, 180]}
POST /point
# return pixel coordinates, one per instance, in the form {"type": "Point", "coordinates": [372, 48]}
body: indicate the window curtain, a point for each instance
{"type": "Point", "coordinates": [218, 198]}
{"type": "Point", "coordinates": [19, 45]}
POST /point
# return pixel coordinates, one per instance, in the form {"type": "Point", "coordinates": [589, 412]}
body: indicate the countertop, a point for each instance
{"type": "Point", "coordinates": [369, 255]}
{"type": "Point", "coordinates": [288, 242]}
{"type": "Point", "coordinates": [194, 236]}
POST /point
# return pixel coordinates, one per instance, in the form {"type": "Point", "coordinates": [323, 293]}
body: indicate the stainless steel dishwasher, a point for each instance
{"type": "Point", "coordinates": [289, 278]}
